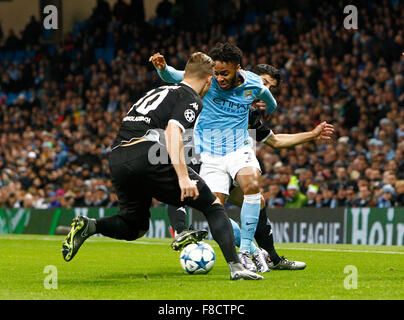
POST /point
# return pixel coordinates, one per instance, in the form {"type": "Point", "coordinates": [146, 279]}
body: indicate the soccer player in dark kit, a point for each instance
{"type": "Point", "coordinates": [173, 108]}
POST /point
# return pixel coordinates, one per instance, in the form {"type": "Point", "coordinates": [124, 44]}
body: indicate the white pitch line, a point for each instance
{"type": "Point", "coordinates": [214, 245]}
{"type": "Point", "coordinates": [343, 250]}
{"type": "Point", "coordinates": [286, 248]}
{"type": "Point", "coordinates": [29, 239]}
{"type": "Point", "coordinates": [143, 242]}
{"type": "Point", "coordinates": [89, 240]}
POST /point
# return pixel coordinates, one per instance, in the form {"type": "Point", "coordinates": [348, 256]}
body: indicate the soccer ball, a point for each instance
{"type": "Point", "coordinates": [197, 258]}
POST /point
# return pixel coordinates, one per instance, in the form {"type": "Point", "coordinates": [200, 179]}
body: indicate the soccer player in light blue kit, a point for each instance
{"type": "Point", "coordinates": [221, 134]}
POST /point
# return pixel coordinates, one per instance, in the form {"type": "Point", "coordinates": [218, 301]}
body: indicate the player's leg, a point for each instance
{"type": "Point", "coordinates": [176, 215]}
{"type": "Point", "coordinates": [247, 178]}
{"type": "Point", "coordinates": [236, 231]}
{"type": "Point", "coordinates": [177, 218]}
{"type": "Point", "coordinates": [215, 173]}
{"type": "Point", "coordinates": [221, 229]}
{"type": "Point", "coordinates": [128, 224]}
{"type": "Point", "coordinates": [265, 240]}
{"type": "Point", "coordinates": [237, 236]}
{"type": "Point", "coordinates": [258, 256]}
{"type": "Point", "coordinates": [264, 236]}
{"type": "Point", "coordinates": [244, 169]}
{"type": "Point", "coordinates": [128, 165]}
{"type": "Point", "coordinates": [216, 217]}
{"type": "Point", "coordinates": [131, 222]}
{"type": "Point", "coordinates": [170, 193]}
{"type": "Point", "coordinates": [236, 196]}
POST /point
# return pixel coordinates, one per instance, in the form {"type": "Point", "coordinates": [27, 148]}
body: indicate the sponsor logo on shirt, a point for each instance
{"type": "Point", "coordinates": [227, 105]}
{"type": "Point", "coordinates": [138, 118]}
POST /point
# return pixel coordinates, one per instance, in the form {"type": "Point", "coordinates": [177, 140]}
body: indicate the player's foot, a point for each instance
{"type": "Point", "coordinates": [265, 254]}
{"type": "Point", "coordinates": [260, 261]}
{"type": "Point", "coordinates": [82, 228]}
{"type": "Point", "coordinates": [186, 237]}
{"type": "Point", "coordinates": [246, 261]}
{"type": "Point", "coordinates": [237, 272]}
{"type": "Point", "coordinates": [286, 264]}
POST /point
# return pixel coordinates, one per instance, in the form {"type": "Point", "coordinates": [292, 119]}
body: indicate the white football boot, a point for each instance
{"type": "Point", "coordinates": [246, 261]}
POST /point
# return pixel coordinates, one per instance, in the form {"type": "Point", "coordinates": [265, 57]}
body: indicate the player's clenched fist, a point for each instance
{"type": "Point", "coordinates": [188, 188]}
{"type": "Point", "coordinates": [158, 61]}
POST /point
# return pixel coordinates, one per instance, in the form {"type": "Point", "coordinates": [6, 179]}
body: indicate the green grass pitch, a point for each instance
{"type": "Point", "coordinates": [148, 269]}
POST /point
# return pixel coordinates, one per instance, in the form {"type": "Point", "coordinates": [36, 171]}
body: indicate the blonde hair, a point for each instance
{"type": "Point", "coordinates": [199, 65]}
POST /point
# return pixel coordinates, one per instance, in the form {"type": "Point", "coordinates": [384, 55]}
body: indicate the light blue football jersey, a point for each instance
{"type": "Point", "coordinates": [222, 126]}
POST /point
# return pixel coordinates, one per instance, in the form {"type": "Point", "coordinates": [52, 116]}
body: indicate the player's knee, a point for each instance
{"type": "Point", "coordinates": [217, 201]}
{"type": "Point", "coordinates": [138, 229]}
{"type": "Point", "coordinates": [134, 234]}
{"type": "Point", "coordinates": [130, 236]}
{"type": "Point", "coordinates": [142, 233]}
{"type": "Point", "coordinates": [213, 211]}
{"type": "Point", "coordinates": [205, 200]}
{"type": "Point", "coordinates": [252, 188]}
{"type": "Point", "coordinates": [253, 198]}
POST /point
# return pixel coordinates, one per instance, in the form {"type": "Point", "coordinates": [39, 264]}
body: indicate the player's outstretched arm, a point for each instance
{"type": "Point", "coordinates": [323, 132]}
{"type": "Point", "coordinates": [175, 148]}
{"type": "Point", "coordinates": [166, 72]}
{"type": "Point", "coordinates": [266, 96]}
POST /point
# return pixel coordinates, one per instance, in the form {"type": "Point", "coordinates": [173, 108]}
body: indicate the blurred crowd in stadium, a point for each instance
{"type": "Point", "coordinates": [61, 105]}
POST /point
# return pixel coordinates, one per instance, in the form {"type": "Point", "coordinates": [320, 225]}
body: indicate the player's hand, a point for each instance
{"type": "Point", "coordinates": [259, 104]}
{"type": "Point", "coordinates": [188, 188]}
{"type": "Point", "coordinates": [158, 61]}
{"type": "Point", "coordinates": [323, 132]}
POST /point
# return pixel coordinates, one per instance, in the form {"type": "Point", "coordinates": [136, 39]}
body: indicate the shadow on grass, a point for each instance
{"type": "Point", "coordinates": [111, 278]}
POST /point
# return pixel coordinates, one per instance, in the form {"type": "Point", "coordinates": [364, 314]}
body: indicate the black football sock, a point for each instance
{"type": "Point", "coordinates": [177, 218]}
{"type": "Point", "coordinates": [116, 227]}
{"type": "Point", "coordinates": [222, 231]}
{"type": "Point", "coordinates": [265, 237]}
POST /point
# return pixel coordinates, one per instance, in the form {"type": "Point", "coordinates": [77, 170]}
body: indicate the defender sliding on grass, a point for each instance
{"type": "Point", "coordinates": [136, 180]}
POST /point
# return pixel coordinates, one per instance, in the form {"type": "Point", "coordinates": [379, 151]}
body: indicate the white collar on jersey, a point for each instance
{"type": "Point", "coordinates": [187, 84]}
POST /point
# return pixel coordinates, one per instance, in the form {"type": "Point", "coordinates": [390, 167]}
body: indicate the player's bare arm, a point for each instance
{"type": "Point", "coordinates": [322, 132]}
{"type": "Point", "coordinates": [175, 148]}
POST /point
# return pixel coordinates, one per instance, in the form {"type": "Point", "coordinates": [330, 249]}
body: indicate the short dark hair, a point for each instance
{"type": "Point", "coordinates": [268, 69]}
{"type": "Point", "coordinates": [226, 52]}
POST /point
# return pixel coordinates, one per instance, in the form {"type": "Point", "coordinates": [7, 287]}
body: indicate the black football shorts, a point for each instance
{"type": "Point", "coordinates": [137, 181]}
